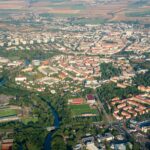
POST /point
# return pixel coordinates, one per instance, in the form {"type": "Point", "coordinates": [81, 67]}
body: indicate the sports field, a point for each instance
{"type": "Point", "coordinates": [78, 110]}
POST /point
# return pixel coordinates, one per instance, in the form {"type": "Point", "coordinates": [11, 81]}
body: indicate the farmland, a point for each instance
{"type": "Point", "coordinates": [139, 14]}
{"type": "Point", "coordinates": [115, 11]}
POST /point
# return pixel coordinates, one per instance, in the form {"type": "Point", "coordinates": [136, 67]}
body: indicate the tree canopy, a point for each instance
{"type": "Point", "coordinates": [142, 79]}
{"type": "Point", "coordinates": [108, 71]}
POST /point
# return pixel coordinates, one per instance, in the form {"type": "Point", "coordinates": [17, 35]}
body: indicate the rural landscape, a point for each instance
{"type": "Point", "coordinates": [110, 10]}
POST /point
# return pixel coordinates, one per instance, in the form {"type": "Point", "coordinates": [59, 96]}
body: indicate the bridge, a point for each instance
{"type": "Point", "coordinates": [49, 129]}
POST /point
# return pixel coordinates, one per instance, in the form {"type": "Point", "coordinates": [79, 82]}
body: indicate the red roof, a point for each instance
{"type": "Point", "coordinates": [90, 97]}
{"type": "Point", "coordinates": [77, 101]}
{"type": "Point", "coordinates": [7, 146]}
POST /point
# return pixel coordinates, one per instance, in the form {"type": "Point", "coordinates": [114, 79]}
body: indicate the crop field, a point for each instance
{"type": "Point", "coordinates": [120, 10]}
{"type": "Point", "coordinates": [84, 21]}
{"type": "Point", "coordinates": [7, 112]}
{"type": "Point", "coordinates": [114, 10]}
{"type": "Point", "coordinates": [78, 110]}
{"type": "Point", "coordinates": [12, 4]}
{"type": "Point", "coordinates": [138, 14]}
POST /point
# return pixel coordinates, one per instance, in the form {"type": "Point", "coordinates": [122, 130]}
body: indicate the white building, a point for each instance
{"type": "Point", "coordinates": [20, 79]}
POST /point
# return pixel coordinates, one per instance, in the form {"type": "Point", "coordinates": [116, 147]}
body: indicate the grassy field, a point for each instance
{"type": "Point", "coordinates": [82, 109]}
{"type": "Point", "coordinates": [138, 14]}
{"type": "Point", "coordinates": [7, 112]}
{"type": "Point", "coordinates": [30, 119]}
{"type": "Point", "coordinates": [89, 21]}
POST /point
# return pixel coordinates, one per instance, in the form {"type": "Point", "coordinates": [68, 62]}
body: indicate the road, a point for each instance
{"type": "Point", "coordinates": [101, 108]}
{"type": "Point", "coordinates": [115, 124]}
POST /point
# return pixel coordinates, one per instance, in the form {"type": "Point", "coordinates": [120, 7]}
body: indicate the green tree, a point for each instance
{"type": "Point", "coordinates": [108, 70]}
{"type": "Point", "coordinates": [58, 143]}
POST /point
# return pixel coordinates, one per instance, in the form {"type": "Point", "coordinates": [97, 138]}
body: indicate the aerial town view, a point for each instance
{"type": "Point", "coordinates": [74, 74]}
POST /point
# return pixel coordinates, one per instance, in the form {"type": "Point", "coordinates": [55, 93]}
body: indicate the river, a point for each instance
{"type": "Point", "coordinates": [2, 81]}
{"type": "Point", "coordinates": [48, 140]}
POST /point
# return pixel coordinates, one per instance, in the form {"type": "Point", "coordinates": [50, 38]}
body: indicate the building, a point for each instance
{"type": "Point", "coordinates": [118, 146]}
{"type": "Point", "coordinates": [78, 147]}
{"type": "Point", "coordinates": [90, 99]}
{"type": "Point", "coordinates": [121, 105]}
{"type": "Point", "coordinates": [144, 89]}
{"type": "Point", "coordinates": [20, 79]}
{"type": "Point", "coordinates": [36, 62]}
{"type": "Point", "coordinates": [117, 116]}
{"type": "Point", "coordinates": [76, 101]}
{"type": "Point", "coordinates": [106, 137]}
{"type": "Point", "coordinates": [91, 146]}
{"type": "Point", "coordinates": [88, 139]}
{"type": "Point", "coordinates": [145, 126]}
{"type": "Point", "coordinates": [7, 144]}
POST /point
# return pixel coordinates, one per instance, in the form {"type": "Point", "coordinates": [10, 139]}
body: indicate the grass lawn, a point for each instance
{"type": "Point", "coordinates": [30, 119]}
{"type": "Point", "coordinates": [7, 112]}
{"type": "Point", "coordinates": [82, 109]}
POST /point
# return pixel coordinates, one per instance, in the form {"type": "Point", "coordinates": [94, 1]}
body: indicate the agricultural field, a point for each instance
{"type": "Point", "coordinates": [84, 21]}
{"type": "Point", "coordinates": [113, 11]}
{"type": "Point", "coordinates": [139, 14]}
{"type": "Point", "coordinates": [78, 110]}
{"type": "Point", "coordinates": [12, 4]}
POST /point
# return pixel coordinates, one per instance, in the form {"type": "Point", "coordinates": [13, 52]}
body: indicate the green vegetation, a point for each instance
{"type": "Point", "coordinates": [108, 91]}
{"type": "Point", "coordinates": [58, 1]}
{"type": "Point", "coordinates": [58, 143]}
{"type": "Point", "coordinates": [49, 16]}
{"type": "Point", "coordinates": [75, 131]}
{"type": "Point", "coordinates": [82, 109]}
{"type": "Point", "coordinates": [29, 138]}
{"type": "Point", "coordinates": [138, 3]}
{"type": "Point", "coordinates": [29, 119]}
{"type": "Point", "coordinates": [84, 21]}
{"type": "Point", "coordinates": [140, 65]}
{"type": "Point", "coordinates": [30, 54]}
{"type": "Point", "coordinates": [30, 133]}
{"type": "Point", "coordinates": [142, 79]}
{"type": "Point", "coordinates": [138, 14]}
{"type": "Point", "coordinates": [68, 6]}
{"type": "Point", "coordinates": [7, 112]}
{"type": "Point", "coordinates": [78, 6]}
{"type": "Point", "coordinates": [108, 70]}
{"type": "Point", "coordinates": [70, 15]}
